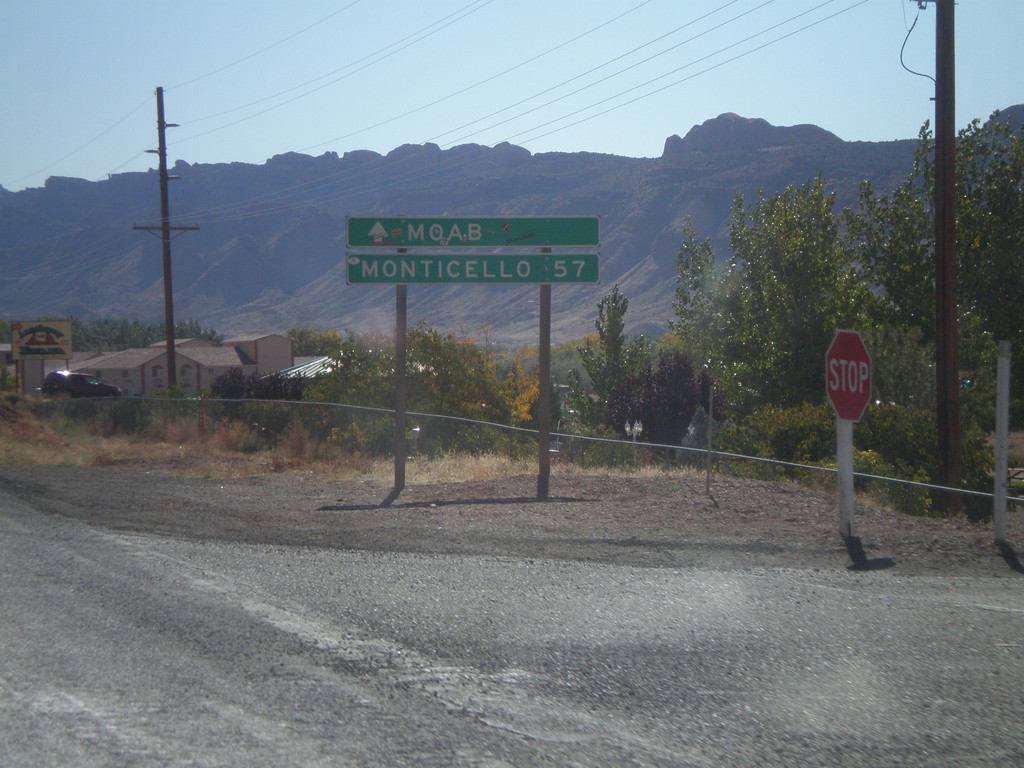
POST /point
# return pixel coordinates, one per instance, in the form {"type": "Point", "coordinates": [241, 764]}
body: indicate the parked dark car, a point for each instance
{"type": "Point", "coordinates": [77, 385]}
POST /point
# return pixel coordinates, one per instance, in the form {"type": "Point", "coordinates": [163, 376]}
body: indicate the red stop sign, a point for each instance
{"type": "Point", "coordinates": [848, 375]}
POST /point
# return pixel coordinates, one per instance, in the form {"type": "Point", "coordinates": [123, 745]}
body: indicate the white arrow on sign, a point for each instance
{"type": "Point", "coordinates": [378, 233]}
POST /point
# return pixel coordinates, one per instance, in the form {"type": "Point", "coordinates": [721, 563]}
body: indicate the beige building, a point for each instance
{"type": "Point", "coordinates": [198, 363]}
{"type": "Point", "coordinates": [269, 352]}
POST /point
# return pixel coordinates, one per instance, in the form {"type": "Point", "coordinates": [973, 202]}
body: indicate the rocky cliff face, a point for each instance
{"type": "Point", "coordinates": [732, 133]}
{"type": "Point", "coordinates": [268, 255]}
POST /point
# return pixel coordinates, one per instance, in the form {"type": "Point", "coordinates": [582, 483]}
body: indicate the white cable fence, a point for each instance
{"type": "Point", "coordinates": [266, 424]}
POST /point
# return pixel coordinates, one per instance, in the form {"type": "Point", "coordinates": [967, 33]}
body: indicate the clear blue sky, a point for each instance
{"type": "Point", "coordinates": [249, 80]}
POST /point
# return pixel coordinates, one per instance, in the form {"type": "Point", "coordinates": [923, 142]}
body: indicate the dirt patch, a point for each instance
{"type": "Point", "coordinates": [661, 520]}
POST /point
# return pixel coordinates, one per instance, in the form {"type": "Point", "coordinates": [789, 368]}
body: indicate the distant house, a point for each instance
{"type": "Point", "coordinates": [7, 360]}
{"type": "Point", "coordinates": [269, 352]}
{"type": "Point", "coordinates": [198, 363]}
{"type": "Point", "coordinates": [144, 371]}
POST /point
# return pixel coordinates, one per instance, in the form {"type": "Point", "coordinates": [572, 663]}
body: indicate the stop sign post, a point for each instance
{"type": "Point", "coordinates": [848, 386]}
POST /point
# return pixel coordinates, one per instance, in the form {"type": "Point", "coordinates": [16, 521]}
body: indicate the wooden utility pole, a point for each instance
{"type": "Point", "coordinates": [946, 334]}
{"type": "Point", "coordinates": [165, 229]}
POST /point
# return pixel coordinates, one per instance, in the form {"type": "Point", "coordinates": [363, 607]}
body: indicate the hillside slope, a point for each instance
{"type": "Point", "coordinates": [268, 255]}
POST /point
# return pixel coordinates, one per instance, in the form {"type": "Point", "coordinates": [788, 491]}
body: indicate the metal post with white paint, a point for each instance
{"type": "Point", "coordinates": [844, 460]}
{"type": "Point", "coordinates": [1002, 441]}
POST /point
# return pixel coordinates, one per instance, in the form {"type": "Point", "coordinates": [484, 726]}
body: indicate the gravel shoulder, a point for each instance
{"type": "Point", "coordinates": [662, 520]}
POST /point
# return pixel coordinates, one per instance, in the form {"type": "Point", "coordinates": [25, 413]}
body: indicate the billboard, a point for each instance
{"type": "Point", "coordinates": [41, 340]}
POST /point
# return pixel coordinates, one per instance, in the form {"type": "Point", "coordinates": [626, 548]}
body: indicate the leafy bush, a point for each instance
{"type": "Point", "coordinates": [803, 434]}
{"type": "Point", "coordinates": [664, 396]}
{"type": "Point", "coordinates": [906, 498]}
{"type": "Point", "coordinates": [235, 384]}
{"type": "Point", "coordinates": [890, 441]}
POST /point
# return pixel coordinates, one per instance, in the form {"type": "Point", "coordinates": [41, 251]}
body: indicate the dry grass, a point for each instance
{"type": "Point", "coordinates": [230, 453]}
{"type": "Point", "coordinates": [1016, 453]}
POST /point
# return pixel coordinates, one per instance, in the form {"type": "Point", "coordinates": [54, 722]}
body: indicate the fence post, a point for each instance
{"type": "Point", "coordinates": [711, 421]}
{"type": "Point", "coordinates": [1002, 441]}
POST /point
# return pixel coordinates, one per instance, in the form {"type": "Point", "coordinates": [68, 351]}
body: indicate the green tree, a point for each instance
{"type": "Point", "coordinates": [362, 373]}
{"type": "Point", "coordinates": [449, 376]}
{"type": "Point", "coordinates": [108, 335]}
{"type": "Point", "coordinates": [230, 385]}
{"type": "Point", "coordinates": [191, 329]}
{"type": "Point", "coordinates": [444, 375]}
{"type": "Point", "coordinates": [607, 359]}
{"type": "Point", "coordinates": [765, 322]}
{"type": "Point", "coordinates": [894, 237]}
{"type": "Point", "coordinates": [698, 292]}
{"type": "Point", "coordinates": [309, 341]}
{"type": "Point", "coordinates": [663, 396]}
{"type": "Point", "coordinates": [235, 384]}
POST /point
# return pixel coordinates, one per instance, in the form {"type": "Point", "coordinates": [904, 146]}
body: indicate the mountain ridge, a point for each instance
{"type": "Point", "coordinates": [270, 248]}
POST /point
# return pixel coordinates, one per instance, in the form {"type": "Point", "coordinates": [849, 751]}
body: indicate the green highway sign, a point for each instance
{"type": "Point", "coordinates": [469, 232]}
{"type": "Point", "coordinates": [488, 268]}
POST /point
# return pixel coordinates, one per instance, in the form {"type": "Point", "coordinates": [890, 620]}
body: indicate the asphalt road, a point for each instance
{"type": "Point", "coordinates": [127, 650]}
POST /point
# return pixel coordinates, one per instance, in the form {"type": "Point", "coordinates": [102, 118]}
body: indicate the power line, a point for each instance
{"type": "Point", "coordinates": [87, 144]}
{"type": "Point", "coordinates": [682, 80]}
{"type": "Point", "coordinates": [603, 79]}
{"type": "Point", "coordinates": [904, 46]}
{"type": "Point", "coordinates": [315, 192]}
{"type": "Point", "coordinates": [244, 209]}
{"type": "Point", "coordinates": [413, 39]}
{"type": "Point", "coordinates": [492, 78]}
{"type": "Point", "coordinates": [288, 193]}
{"type": "Point", "coordinates": [261, 51]}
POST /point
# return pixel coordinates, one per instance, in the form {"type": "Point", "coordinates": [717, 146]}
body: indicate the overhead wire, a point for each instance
{"type": "Point", "coordinates": [263, 50]}
{"type": "Point", "coordinates": [486, 80]}
{"type": "Point", "coordinates": [690, 64]}
{"type": "Point", "coordinates": [383, 183]}
{"type": "Point", "coordinates": [288, 192]}
{"type": "Point", "coordinates": [603, 79]}
{"type": "Point", "coordinates": [222, 69]}
{"type": "Point", "coordinates": [904, 46]}
{"type": "Point", "coordinates": [448, 22]}
{"type": "Point", "coordinates": [380, 54]}
{"type": "Point", "coordinates": [689, 77]}
{"type": "Point", "coordinates": [86, 145]}
{"type": "Point", "coordinates": [323, 190]}
{"type": "Point", "coordinates": [654, 40]}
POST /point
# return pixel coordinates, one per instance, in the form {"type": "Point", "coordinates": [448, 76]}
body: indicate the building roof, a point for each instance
{"type": "Point", "coordinates": [309, 368]}
{"type": "Point", "coordinates": [126, 358]}
{"type": "Point", "coordinates": [191, 342]}
{"type": "Point", "coordinates": [216, 357]}
{"type": "Point", "coordinates": [251, 337]}
{"type": "Point", "coordinates": [210, 357]}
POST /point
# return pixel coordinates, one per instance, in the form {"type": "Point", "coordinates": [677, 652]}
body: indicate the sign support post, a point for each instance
{"type": "Point", "coordinates": [544, 395]}
{"type": "Point", "coordinates": [844, 460]}
{"type": "Point", "coordinates": [1002, 442]}
{"type": "Point", "coordinates": [492, 250]}
{"type": "Point", "coordinates": [401, 303]}
{"type": "Point", "coordinates": [848, 386]}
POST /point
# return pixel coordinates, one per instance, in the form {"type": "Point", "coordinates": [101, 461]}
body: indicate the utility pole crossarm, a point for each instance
{"type": "Point", "coordinates": [160, 227]}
